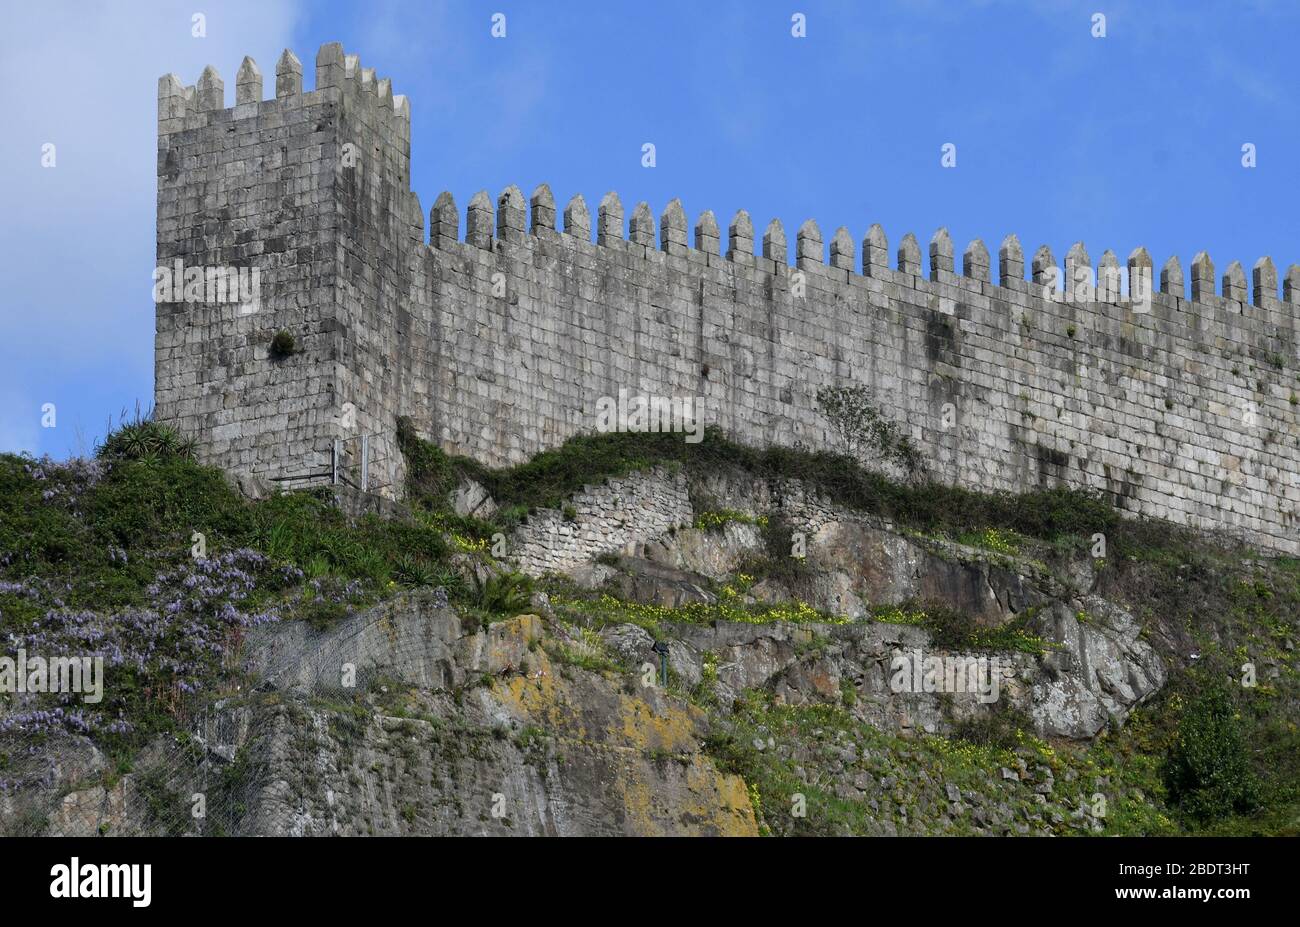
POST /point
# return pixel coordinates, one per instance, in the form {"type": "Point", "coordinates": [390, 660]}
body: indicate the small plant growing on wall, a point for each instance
{"type": "Point", "coordinates": [283, 345]}
{"type": "Point", "coordinates": [864, 430]}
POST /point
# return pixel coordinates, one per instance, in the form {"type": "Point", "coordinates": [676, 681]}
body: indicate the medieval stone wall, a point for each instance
{"type": "Point", "coordinates": [1183, 409]}
{"type": "Point", "coordinates": [1179, 401]}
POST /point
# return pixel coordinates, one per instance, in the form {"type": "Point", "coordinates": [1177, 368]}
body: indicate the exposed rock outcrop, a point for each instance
{"type": "Point", "coordinates": [413, 717]}
{"type": "Point", "coordinates": [396, 722]}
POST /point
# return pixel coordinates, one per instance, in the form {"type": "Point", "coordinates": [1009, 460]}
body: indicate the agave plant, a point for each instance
{"type": "Point", "coordinates": [505, 594]}
{"type": "Point", "coordinates": [141, 438]}
{"type": "Point", "coordinates": [410, 571]}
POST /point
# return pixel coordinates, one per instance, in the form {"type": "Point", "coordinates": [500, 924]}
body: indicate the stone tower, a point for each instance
{"type": "Point", "coordinates": [307, 195]}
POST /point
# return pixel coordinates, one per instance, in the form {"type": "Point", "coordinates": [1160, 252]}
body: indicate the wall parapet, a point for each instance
{"type": "Point", "coordinates": [182, 108]}
{"type": "Point", "coordinates": [1108, 282]}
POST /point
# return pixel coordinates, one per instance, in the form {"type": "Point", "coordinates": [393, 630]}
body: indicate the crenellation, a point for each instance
{"type": "Point", "coordinates": [740, 238]}
{"type": "Point", "coordinates": [444, 222]}
{"type": "Point", "coordinates": [1043, 267]}
{"type": "Point", "coordinates": [577, 219]}
{"type": "Point", "coordinates": [512, 219]}
{"type": "Point", "coordinates": [248, 82]}
{"type": "Point", "coordinates": [288, 75]}
{"type": "Point", "coordinates": [875, 252]}
{"type": "Point", "coordinates": [1141, 274]}
{"type": "Point", "coordinates": [975, 261]}
{"type": "Point", "coordinates": [941, 256]}
{"type": "Point", "coordinates": [808, 246]}
{"type": "Point", "coordinates": [672, 229]}
{"type": "Point", "coordinates": [641, 226]}
{"type": "Point", "coordinates": [909, 256]}
{"type": "Point", "coordinates": [708, 237]}
{"type": "Point", "coordinates": [171, 105]}
{"type": "Point", "coordinates": [1110, 285]}
{"type": "Point", "coordinates": [542, 204]}
{"type": "Point", "coordinates": [211, 91]}
{"type": "Point", "coordinates": [1078, 283]}
{"type": "Point", "coordinates": [1148, 398]}
{"type": "Point", "coordinates": [1202, 278]}
{"type": "Point", "coordinates": [774, 246]}
{"type": "Point", "coordinates": [609, 220]}
{"type": "Point", "coordinates": [329, 66]}
{"type": "Point", "coordinates": [415, 224]}
{"type": "Point", "coordinates": [842, 250]}
{"type": "Point", "coordinates": [479, 225]}
{"type": "Point", "coordinates": [1264, 280]}
{"type": "Point", "coordinates": [1011, 261]}
{"type": "Point", "coordinates": [1234, 283]}
{"type": "Point", "coordinates": [1171, 278]}
{"type": "Point", "coordinates": [1291, 285]}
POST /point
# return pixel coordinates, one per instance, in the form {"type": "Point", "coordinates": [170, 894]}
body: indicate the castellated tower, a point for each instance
{"type": "Point", "coordinates": [311, 190]}
{"type": "Point", "coordinates": [1174, 393]}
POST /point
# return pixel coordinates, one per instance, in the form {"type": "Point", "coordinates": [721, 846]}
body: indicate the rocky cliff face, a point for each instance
{"type": "Point", "coordinates": [408, 718]}
{"type": "Point", "coordinates": [1093, 666]}
{"type": "Point", "coordinates": [397, 722]}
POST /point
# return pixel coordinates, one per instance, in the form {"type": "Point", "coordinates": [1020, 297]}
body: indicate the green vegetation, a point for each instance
{"type": "Point", "coordinates": [106, 529]}
{"type": "Point", "coordinates": [1221, 757]}
{"type": "Point", "coordinates": [586, 650]}
{"type": "Point", "coordinates": [282, 345]}
{"type": "Point", "coordinates": [141, 438]}
{"type": "Point", "coordinates": [501, 595]}
{"type": "Point", "coordinates": [606, 610]}
{"type": "Point", "coordinates": [864, 430]}
{"type": "Point", "coordinates": [1000, 541]}
{"type": "Point", "coordinates": [164, 810]}
{"type": "Point", "coordinates": [708, 521]}
{"type": "Point", "coordinates": [853, 779]}
{"type": "Point", "coordinates": [114, 536]}
{"type": "Point", "coordinates": [163, 563]}
{"type": "Point", "coordinates": [849, 778]}
{"type": "Point", "coordinates": [950, 629]}
{"type": "Point", "coordinates": [780, 560]}
{"type": "Point", "coordinates": [1208, 770]}
{"type": "Point", "coordinates": [1002, 729]}
{"type": "Point", "coordinates": [548, 479]}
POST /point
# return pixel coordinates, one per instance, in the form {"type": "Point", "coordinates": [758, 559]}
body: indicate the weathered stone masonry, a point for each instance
{"type": "Point", "coordinates": [500, 344]}
{"type": "Point", "coordinates": [278, 185]}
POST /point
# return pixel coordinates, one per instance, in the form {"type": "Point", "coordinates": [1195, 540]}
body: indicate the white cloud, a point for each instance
{"type": "Point", "coordinates": [78, 238]}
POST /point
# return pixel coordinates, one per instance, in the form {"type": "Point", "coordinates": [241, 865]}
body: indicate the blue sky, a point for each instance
{"type": "Point", "coordinates": [1132, 139]}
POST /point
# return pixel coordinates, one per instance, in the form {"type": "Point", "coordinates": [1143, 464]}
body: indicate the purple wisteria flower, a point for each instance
{"type": "Point", "coordinates": [195, 619]}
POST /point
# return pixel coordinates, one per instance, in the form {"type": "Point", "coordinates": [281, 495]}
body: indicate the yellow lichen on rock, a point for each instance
{"type": "Point", "coordinates": [644, 748]}
{"type": "Point", "coordinates": [508, 642]}
{"type": "Point", "coordinates": [659, 727]}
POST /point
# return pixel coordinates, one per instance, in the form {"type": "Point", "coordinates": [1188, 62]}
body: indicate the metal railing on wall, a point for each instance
{"type": "Point", "coordinates": [354, 467]}
{"type": "Point", "coordinates": [351, 462]}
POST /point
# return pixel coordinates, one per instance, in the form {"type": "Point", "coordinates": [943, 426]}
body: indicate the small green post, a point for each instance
{"type": "Point", "coordinates": [661, 648]}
